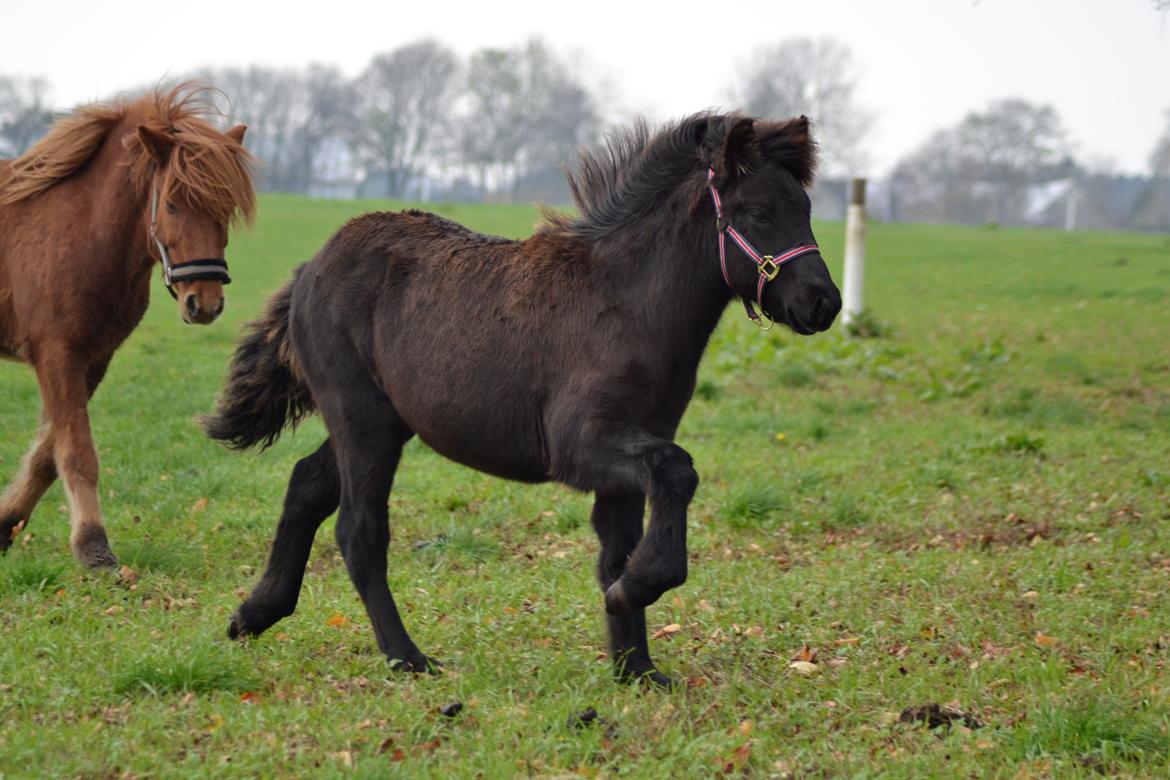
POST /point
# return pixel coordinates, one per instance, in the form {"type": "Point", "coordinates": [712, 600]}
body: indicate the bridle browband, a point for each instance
{"type": "Point", "coordinates": [190, 271]}
{"type": "Point", "coordinates": [768, 266]}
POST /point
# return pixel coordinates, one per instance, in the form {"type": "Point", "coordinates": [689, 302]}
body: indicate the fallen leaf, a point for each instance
{"type": "Point", "coordinates": [848, 641]}
{"type": "Point", "coordinates": [127, 575]}
{"type": "Point", "coordinates": [249, 697]}
{"type": "Point", "coordinates": [805, 653]}
{"type": "Point", "coordinates": [337, 621]}
{"type": "Point", "coordinates": [199, 505]}
{"type": "Point", "coordinates": [805, 668]}
{"type": "Point", "coordinates": [673, 628]}
{"type": "Point", "coordinates": [1046, 641]}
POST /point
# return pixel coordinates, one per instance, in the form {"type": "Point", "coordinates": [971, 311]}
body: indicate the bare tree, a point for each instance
{"type": "Point", "coordinates": [24, 117]}
{"type": "Point", "coordinates": [980, 170]}
{"type": "Point", "coordinates": [814, 77]}
{"type": "Point", "coordinates": [406, 99]}
{"type": "Point", "coordinates": [1160, 156]}
{"type": "Point", "coordinates": [527, 114]}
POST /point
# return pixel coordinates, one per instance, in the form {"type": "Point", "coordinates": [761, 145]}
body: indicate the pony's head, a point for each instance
{"type": "Point", "coordinates": [757, 174]}
{"type": "Point", "coordinates": [199, 183]}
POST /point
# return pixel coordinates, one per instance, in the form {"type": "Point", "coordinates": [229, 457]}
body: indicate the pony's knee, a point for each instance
{"type": "Point", "coordinates": [675, 475]}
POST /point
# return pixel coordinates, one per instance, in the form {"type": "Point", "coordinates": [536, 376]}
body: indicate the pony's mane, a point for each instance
{"type": "Point", "coordinates": [206, 170]}
{"type": "Point", "coordinates": [634, 170]}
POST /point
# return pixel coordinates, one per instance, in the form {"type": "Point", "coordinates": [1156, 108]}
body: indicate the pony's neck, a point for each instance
{"type": "Point", "coordinates": [673, 274]}
{"type": "Point", "coordinates": [119, 208]}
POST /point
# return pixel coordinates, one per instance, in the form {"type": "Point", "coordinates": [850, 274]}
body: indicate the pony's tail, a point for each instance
{"type": "Point", "coordinates": [264, 393]}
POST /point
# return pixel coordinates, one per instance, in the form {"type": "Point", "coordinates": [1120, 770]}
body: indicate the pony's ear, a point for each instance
{"type": "Point", "coordinates": [158, 145]}
{"type": "Point", "coordinates": [791, 144]}
{"type": "Point", "coordinates": [740, 148]}
{"type": "Point", "coordinates": [732, 152]}
{"type": "Point", "coordinates": [237, 134]}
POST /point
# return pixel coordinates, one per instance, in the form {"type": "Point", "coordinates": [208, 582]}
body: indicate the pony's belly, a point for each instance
{"type": "Point", "coordinates": [488, 440]}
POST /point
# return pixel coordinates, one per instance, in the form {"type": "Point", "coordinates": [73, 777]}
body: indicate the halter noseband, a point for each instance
{"type": "Point", "coordinates": [192, 270]}
{"type": "Point", "coordinates": [767, 265]}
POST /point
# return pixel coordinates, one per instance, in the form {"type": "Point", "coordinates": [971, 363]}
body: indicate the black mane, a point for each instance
{"type": "Point", "coordinates": [631, 174]}
{"type": "Point", "coordinates": [634, 172]}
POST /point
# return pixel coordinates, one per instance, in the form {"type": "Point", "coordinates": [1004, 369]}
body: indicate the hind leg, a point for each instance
{"type": "Point", "coordinates": [37, 473]}
{"type": "Point", "coordinates": [313, 494]}
{"type": "Point", "coordinates": [617, 519]}
{"type": "Point", "coordinates": [368, 437]}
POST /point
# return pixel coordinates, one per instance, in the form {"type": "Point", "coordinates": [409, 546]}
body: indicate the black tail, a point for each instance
{"type": "Point", "coordinates": [263, 395]}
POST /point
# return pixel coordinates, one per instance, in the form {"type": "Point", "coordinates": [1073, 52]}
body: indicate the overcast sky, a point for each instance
{"type": "Point", "coordinates": [1103, 64]}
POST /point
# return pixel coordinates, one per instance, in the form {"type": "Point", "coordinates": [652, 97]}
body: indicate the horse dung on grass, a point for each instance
{"type": "Point", "coordinates": [84, 215]}
{"type": "Point", "coordinates": [569, 356]}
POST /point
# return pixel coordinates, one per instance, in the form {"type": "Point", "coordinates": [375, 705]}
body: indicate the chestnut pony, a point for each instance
{"type": "Point", "coordinates": [84, 216]}
{"type": "Point", "coordinates": [570, 356]}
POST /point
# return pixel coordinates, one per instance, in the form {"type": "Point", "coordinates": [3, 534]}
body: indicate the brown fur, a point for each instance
{"type": "Point", "coordinates": [76, 260]}
{"type": "Point", "coordinates": [205, 173]}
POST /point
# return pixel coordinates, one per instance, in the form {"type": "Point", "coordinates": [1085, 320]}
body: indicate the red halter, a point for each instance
{"type": "Point", "coordinates": [767, 265]}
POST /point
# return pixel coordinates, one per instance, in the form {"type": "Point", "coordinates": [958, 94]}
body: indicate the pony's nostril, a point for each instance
{"type": "Point", "coordinates": [219, 308]}
{"type": "Point", "coordinates": [825, 310]}
{"type": "Point", "coordinates": [192, 304]}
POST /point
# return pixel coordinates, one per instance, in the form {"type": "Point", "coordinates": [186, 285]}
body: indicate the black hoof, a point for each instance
{"type": "Point", "coordinates": [250, 620]}
{"type": "Point", "coordinates": [10, 526]}
{"type": "Point", "coordinates": [418, 664]}
{"type": "Point", "coordinates": [629, 594]}
{"type": "Point", "coordinates": [647, 678]}
{"type": "Point", "coordinates": [92, 548]}
{"type": "Point", "coordinates": [237, 629]}
{"type": "Point", "coordinates": [615, 599]}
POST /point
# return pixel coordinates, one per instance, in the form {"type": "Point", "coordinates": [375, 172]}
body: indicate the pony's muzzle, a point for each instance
{"type": "Point", "coordinates": [201, 308]}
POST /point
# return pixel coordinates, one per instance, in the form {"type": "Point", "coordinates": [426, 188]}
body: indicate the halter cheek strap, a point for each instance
{"type": "Point", "coordinates": [190, 271]}
{"type": "Point", "coordinates": [767, 265]}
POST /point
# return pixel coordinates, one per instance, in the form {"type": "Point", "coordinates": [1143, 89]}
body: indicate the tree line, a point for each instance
{"type": "Point", "coordinates": [421, 123]}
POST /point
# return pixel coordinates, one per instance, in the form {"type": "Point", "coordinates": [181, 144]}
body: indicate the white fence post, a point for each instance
{"type": "Point", "coordinates": [854, 252]}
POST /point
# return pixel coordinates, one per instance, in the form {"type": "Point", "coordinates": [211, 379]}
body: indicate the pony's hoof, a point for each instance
{"type": "Point", "coordinates": [616, 602]}
{"type": "Point", "coordinates": [247, 621]}
{"type": "Point", "coordinates": [647, 678]}
{"type": "Point", "coordinates": [417, 664]}
{"type": "Point", "coordinates": [92, 548]}
{"type": "Point", "coordinates": [236, 627]}
{"type": "Point", "coordinates": [10, 526]}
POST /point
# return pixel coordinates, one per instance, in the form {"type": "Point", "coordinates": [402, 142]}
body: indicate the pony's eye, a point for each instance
{"type": "Point", "coordinates": [760, 215]}
{"type": "Point", "coordinates": [171, 208]}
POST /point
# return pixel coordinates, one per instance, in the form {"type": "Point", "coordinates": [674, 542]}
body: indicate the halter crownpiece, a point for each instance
{"type": "Point", "coordinates": [190, 271]}
{"type": "Point", "coordinates": [768, 266]}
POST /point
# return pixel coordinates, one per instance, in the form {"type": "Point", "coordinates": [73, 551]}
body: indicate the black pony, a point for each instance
{"type": "Point", "coordinates": [569, 356]}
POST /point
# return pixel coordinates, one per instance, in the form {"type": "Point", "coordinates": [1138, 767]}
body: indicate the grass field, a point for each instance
{"type": "Point", "coordinates": [970, 510]}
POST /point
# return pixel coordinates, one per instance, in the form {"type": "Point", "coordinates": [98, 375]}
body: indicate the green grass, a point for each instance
{"type": "Point", "coordinates": [967, 506]}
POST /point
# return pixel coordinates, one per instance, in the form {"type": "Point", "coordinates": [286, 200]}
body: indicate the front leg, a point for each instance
{"type": "Point", "coordinates": [63, 381]}
{"type": "Point", "coordinates": [617, 519]}
{"type": "Point", "coordinates": [627, 459]}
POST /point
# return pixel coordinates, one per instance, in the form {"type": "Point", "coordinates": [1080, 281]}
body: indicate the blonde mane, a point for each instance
{"type": "Point", "coordinates": [206, 170]}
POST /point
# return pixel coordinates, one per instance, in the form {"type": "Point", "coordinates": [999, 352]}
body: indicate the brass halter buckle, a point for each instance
{"type": "Point", "coordinates": [768, 269]}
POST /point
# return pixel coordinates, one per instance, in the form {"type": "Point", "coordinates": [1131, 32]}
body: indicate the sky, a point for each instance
{"type": "Point", "coordinates": [1104, 65]}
